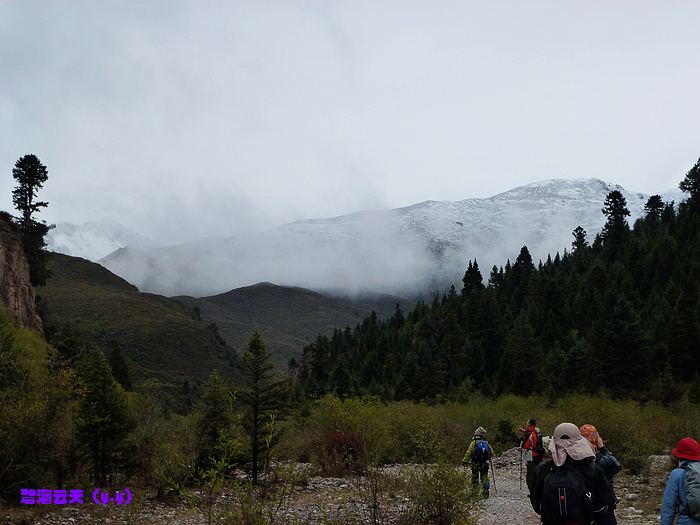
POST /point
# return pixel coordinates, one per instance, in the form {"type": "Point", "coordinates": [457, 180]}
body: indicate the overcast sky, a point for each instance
{"type": "Point", "coordinates": [189, 119]}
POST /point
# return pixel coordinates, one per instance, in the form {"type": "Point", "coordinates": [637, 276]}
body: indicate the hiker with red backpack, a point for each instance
{"type": "Point", "coordinates": [478, 457]}
{"type": "Point", "coordinates": [571, 488]}
{"type": "Point", "coordinates": [682, 494]}
{"type": "Point", "coordinates": [533, 446]}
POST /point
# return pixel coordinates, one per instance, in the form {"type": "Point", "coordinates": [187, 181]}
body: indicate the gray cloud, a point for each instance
{"type": "Point", "coordinates": [191, 119]}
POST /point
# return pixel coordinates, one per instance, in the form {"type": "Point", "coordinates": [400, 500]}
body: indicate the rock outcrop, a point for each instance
{"type": "Point", "coordinates": [16, 291]}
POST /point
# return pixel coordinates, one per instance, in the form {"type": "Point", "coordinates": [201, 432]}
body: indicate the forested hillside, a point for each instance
{"type": "Point", "coordinates": [287, 317]}
{"type": "Point", "coordinates": [158, 337]}
{"type": "Point", "coordinates": [618, 313]}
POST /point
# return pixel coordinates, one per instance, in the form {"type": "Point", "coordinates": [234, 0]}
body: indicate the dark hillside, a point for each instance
{"type": "Point", "coordinates": [158, 336]}
{"type": "Point", "coordinates": [287, 317]}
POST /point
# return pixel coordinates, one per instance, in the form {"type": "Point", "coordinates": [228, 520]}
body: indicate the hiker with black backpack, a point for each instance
{"type": "Point", "coordinates": [682, 494]}
{"type": "Point", "coordinates": [478, 457]}
{"type": "Point", "coordinates": [608, 463]}
{"type": "Point", "coordinates": [570, 489]}
{"type": "Point", "coordinates": [533, 446]}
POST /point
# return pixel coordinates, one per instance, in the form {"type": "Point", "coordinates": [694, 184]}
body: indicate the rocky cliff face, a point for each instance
{"type": "Point", "coordinates": [16, 292]}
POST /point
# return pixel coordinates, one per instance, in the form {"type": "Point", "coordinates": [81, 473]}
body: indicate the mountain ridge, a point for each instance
{"type": "Point", "coordinates": [405, 251]}
{"type": "Point", "coordinates": [288, 317]}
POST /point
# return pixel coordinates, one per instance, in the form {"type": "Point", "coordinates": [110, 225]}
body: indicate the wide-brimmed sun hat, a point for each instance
{"type": "Point", "coordinates": [568, 441]}
{"type": "Point", "coordinates": [687, 448]}
{"type": "Point", "coordinates": [480, 432]}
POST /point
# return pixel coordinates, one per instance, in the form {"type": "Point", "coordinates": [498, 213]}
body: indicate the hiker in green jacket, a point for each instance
{"type": "Point", "coordinates": [478, 457]}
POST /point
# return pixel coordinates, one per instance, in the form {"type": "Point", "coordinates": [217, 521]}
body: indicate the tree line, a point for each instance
{"type": "Point", "coordinates": [620, 314]}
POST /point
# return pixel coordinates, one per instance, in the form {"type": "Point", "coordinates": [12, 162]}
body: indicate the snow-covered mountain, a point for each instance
{"type": "Point", "coordinates": [401, 251]}
{"type": "Point", "coordinates": [94, 240]}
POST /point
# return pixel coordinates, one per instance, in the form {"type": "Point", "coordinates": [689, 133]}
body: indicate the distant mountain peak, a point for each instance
{"type": "Point", "coordinates": [405, 252]}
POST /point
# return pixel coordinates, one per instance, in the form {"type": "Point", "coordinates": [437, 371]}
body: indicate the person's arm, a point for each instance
{"type": "Point", "coordinates": [669, 506]}
{"type": "Point", "coordinates": [529, 442]}
{"type": "Point", "coordinates": [491, 451]}
{"type": "Point", "coordinates": [469, 454]}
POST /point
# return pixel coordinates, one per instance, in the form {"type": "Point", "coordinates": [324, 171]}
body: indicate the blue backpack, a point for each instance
{"type": "Point", "coordinates": [482, 452]}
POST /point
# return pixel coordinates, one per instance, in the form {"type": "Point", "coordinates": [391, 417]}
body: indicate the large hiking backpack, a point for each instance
{"type": "Point", "coordinates": [692, 489]}
{"type": "Point", "coordinates": [482, 452]}
{"type": "Point", "coordinates": [565, 498]}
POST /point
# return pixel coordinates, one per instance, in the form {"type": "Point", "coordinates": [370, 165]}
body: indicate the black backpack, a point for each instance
{"type": "Point", "coordinates": [565, 498]}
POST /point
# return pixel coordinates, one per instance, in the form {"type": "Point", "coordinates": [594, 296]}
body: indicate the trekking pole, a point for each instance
{"type": "Point", "coordinates": [493, 475]}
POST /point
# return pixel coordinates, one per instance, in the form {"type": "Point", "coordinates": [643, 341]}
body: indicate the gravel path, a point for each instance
{"type": "Point", "coordinates": [508, 504]}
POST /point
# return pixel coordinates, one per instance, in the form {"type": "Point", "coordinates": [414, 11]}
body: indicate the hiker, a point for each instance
{"type": "Point", "coordinates": [682, 494]}
{"type": "Point", "coordinates": [531, 443]}
{"type": "Point", "coordinates": [478, 457]}
{"type": "Point", "coordinates": [571, 488]}
{"type": "Point", "coordinates": [609, 465]}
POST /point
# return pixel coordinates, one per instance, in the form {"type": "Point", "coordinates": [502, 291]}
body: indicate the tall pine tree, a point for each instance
{"type": "Point", "coordinates": [263, 395]}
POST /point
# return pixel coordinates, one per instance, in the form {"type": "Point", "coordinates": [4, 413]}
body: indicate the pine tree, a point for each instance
{"type": "Point", "coordinates": [517, 371]}
{"type": "Point", "coordinates": [580, 243]}
{"type": "Point", "coordinates": [104, 422]}
{"type": "Point", "coordinates": [523, 267]}
{"type": "Point", "coordinates": [691, 185]}
{"type": "Point", "coordinates": [472, 278]}
{"type": "Point", "coordinates": [216, 418]}
{"type": "Point", "coordinates": [616, 229]}
{"type": "Point", "coordinates": [520, 278]}
{"type": "Point", "coordinates": [653, 208]}
{"type": "Point", "coordinates": [684, 332]}
{"type": "Point", "coordinates": [263, 395]}
{"type": "Point", "coordinates": [623, 350]}
{"type": "Point", "coordinates": [31, 175]}
{"type": "Point", "coordinates": [496, 277]}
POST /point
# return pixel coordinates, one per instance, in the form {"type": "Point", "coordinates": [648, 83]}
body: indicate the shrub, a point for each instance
{"type": "Point", "coordinates": [390, 432]}
{"type": "Point", "coordinates": [506, 437]}
{"type": "Point", "coordinates": [440, 494]}
{"type": "Point", "coordinates": [342, 453]}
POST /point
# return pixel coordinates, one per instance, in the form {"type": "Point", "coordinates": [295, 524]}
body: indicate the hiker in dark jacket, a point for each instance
{"type": "Point", "coordinates": [570, 488]}
{"type": "Point", "coordinates": [531, 443]}
{"type": "Point", "coordinates": [609, 465]}
{"type": "Point", "coordinates": [478, 457]}
{"type": "Point", "coordinates": [679, 488]}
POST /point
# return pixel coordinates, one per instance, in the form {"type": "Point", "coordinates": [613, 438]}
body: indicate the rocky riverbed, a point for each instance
{"type": "Point", "coordinates": [316, 500]}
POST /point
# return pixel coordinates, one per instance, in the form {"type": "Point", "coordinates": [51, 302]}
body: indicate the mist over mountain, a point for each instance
{"type": "Point", "coordinates": [95, 239]}
{"type": "Point", "coordinates": [405, 251]}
